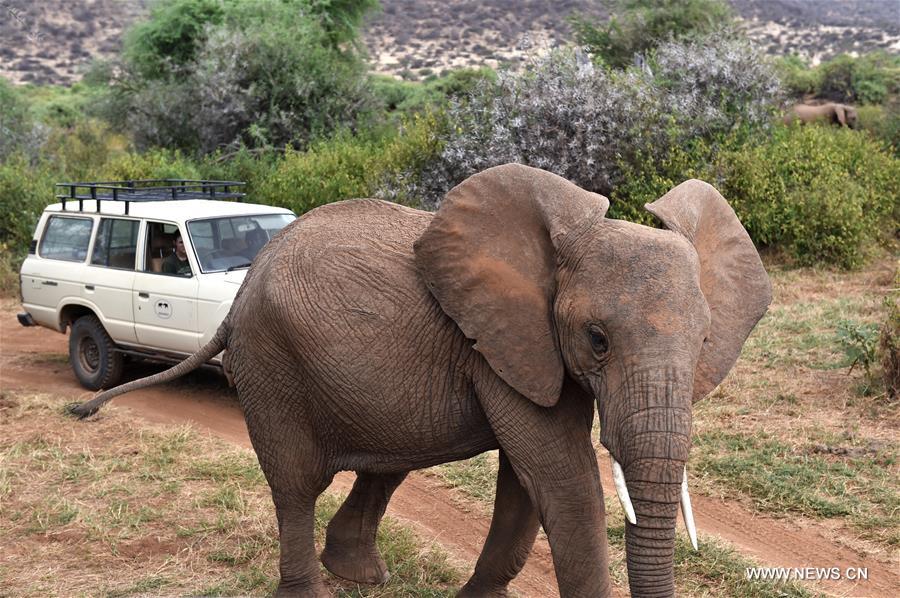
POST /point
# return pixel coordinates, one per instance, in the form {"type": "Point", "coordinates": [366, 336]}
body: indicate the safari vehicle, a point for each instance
{"type": "Point", "coordinates": [144, 268]}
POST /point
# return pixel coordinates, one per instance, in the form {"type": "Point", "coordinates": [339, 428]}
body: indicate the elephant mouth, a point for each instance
{"type": "Point", "coordinates": [687, 511]}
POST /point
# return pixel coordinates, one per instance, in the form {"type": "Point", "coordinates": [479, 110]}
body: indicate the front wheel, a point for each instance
{"type": "Point", "coordinates": [93, 354]}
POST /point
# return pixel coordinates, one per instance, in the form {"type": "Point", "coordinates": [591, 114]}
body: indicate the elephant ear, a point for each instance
{"type": "Point", "coordinates": [840, 115]}
{"type": "Point", "coordinates": [489, 257]}
{"type": "Point", "coordinates": [732, 277]}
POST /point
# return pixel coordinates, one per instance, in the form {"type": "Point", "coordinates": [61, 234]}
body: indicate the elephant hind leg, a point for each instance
{"type": "Point", "coordinates": [300, 574]}
{"type": "Point", "coordinates": [350, 550]}
{"type": "Point", "coordinates": [514, 527]}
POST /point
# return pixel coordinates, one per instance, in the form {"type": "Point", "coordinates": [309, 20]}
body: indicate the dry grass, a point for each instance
{"type": "Point", "coordinates": [109, 508]}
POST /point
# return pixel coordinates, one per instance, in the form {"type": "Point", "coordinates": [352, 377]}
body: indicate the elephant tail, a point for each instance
{"type": "Point", "coordinates": [218, 343]}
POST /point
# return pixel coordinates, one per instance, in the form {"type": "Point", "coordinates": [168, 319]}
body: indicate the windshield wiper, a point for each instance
{"type": "Point", "coordinates": [245, 265]}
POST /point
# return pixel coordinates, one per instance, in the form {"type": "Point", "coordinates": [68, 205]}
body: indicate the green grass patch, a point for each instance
{"type": "Point", "coordinates": [817, 480]}
{"type": "Point", "coordinates": [803, 333]}
{"type": "Point", "coordinates": [475, 477]}
{"type": "Point", "coordinates": [716, 569]}
{"type": "Point", "coordinates": [416, 570]}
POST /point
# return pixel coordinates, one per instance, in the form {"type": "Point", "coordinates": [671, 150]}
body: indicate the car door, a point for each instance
{"type": "Point", "coordinates": [56, 273]}
{"type": "Point", "coordinates": [165, 305]}
{"type": "Point", "coordinates": [109, 276]}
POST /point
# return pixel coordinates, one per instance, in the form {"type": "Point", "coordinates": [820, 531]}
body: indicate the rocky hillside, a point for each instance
{"type": "Point", "coordinates": [51, 41]}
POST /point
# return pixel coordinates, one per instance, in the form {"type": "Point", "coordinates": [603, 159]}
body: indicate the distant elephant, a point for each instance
{"type": "Point", "coordinates": [380, 339]}
{"type": "Point", "coordinates": [836, 114]}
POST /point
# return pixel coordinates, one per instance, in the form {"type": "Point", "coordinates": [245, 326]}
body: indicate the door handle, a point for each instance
{"type": "Point", "coordinates": [50, 283]}
{"type": "Point", "coordinates": [143, 295]}
{"type": "Point", "coordinates": [89, 287]}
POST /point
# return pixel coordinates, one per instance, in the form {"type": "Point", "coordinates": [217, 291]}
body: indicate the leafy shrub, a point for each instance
{"type": "Point", "coordinates": [225, 74]}
{"type": "Point", "coordinates": [883, 123]}
{"type": "Point", "coordinates": [81, 151]}
{"type": "Point", "coordinates": [253, 167]}
{"type": "Point", "coordinates": [328, 171]}
{"type": "Point", "coordinates": [153, 164]}
{"type": "Point", "coordinates": [889, 343]}
{"type": "Point", "coordinates": [868, 79]}
{"type": "Point", "coordinates": [349, 166]}
{"type": "Point", "coordinates": [18, 131]}
{"type": "Point", "coordinates": [394, 95]}
{"type": "Point", "coordinates": [585, 123]}
{"type": "Point", "coordinates": [25, 189]}
{"type": "Point", "coordinates": [636, 26]}
{"type": "Point", "coordinates": [824, 194]}
{"type": "Point", "coordinates": [859, 342]}
{"type": "Point", "coordinates": [797, 78]}
{"type": "Point", "coordinates": [171, 36]}
{"type": "Point", "coordinates": [646, 178]}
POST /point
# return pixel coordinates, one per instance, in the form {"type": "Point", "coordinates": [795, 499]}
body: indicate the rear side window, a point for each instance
{"type": "Point", "coordinates": [116, 244]}
{"type": "Point", "coordinates": [66, 238]}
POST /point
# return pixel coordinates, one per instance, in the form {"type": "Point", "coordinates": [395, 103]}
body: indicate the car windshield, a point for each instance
{"type": "Point", "coordinates": [233, 242]}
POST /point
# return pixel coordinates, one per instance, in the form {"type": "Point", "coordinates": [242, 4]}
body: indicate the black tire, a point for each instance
{"type": "Point", "coordinates": [93, 354]}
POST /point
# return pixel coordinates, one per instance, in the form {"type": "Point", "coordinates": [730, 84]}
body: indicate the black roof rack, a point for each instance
{"type": "Point", "coordinates": [147, 190]}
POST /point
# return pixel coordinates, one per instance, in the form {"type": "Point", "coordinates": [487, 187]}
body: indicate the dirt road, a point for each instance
{"type": "Point", "coordinates": [34, 359]}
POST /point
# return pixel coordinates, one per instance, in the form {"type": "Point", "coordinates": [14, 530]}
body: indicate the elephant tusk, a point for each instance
{"type": "Point", "coordinates": [686, 512]}
{"type": "Point", "coordinates": [622, 491]}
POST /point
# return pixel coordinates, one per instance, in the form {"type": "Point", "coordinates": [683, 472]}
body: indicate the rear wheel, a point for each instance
{"type": "Point", "coordinates": [93, 354]}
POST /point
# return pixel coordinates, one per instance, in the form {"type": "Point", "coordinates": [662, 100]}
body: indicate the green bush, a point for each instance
{"type": "Point", "coordinates": [25, 190]}
{"type": "Point", "coordinates": [153, 164]}
{"type": "Point", "coordinates": [80, 152]}
{"type": "Point", "coordinates": [203, 75]}
{"type": "Point", "coordinates": [825, 195]}
{"type": "Point", "coordinates": [888, 351]}
{"type": "Point", "coordinates": [646, 178]}
{"type": "Point", "coordinates": [18, 131]}
{"type": "Point", "coordinates": [636, 26]}
{"type": "Point", "coordinates": [171, 36]}
{"type": "Point", "coordinates": [868, 79]}
{"type": "Point", "coordinates": [393, 95]}
{"type": "Point", "coordinates": [883, 123]}
{"type": "Point", "coordinates": [348, 166]}
{"type": "Point", "coordinates": [253, 167]}
{"type": "Point", "coordinates": [865, 80]}
{"type": "Point", "coordinates": [328, 171]}
{"type": "Point", "coordinates": [797, 78]}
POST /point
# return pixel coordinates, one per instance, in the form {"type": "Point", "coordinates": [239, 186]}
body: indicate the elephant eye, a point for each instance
{"type": "Point", "coordinates": [599, 340]}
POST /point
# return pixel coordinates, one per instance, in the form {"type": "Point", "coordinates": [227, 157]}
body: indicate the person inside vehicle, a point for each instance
{"type": "Point", "coordinates": [177, 262]}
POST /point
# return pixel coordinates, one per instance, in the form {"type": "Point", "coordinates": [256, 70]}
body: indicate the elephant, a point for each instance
{"type": "Point", "coordinates": [836, 114]}
{"type": "Point", "coordinates": [380, 339]}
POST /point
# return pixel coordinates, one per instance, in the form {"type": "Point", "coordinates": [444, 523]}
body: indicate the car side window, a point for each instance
{"type": "Point", "coordinates": [66, 238]}
{"type": "Point", "coordinates": [165, 250]}
{"type": "Point", "coordinates": [116, 243]}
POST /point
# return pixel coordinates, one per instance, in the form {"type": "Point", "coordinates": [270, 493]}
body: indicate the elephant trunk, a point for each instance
{"type": "Point", "coordinates": [651, 442]}
{"type": "Point", "coordinates": [655, 490]}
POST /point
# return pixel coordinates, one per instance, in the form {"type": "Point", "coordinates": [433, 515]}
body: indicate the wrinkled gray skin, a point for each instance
{"type": "Point", "coordinates": [380, 339]}
{"type": "Point", "coordinates": [841, 115]}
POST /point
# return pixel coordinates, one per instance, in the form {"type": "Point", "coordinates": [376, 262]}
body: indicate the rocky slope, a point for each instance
{"type": "Point", "coordinates": [52, 41]}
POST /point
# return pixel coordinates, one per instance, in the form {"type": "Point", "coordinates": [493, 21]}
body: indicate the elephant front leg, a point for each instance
{"type": "Point", "coordinates": [350, 550]}
{"type": "Point", "coordinates": [551, 453]}
{"type": "Point", "coordinates": [513, 529]}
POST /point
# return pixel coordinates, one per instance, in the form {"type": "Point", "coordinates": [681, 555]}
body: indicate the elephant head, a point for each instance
{"type": "Point", "coordinates": [845, 115]}
{"type": "Point", "coordinates": [646, 320]}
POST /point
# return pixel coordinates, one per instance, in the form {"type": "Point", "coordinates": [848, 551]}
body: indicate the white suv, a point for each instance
{"type": "Point", "coordinates": [148, 268]}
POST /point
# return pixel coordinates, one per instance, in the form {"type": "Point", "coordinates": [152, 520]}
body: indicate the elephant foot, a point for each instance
{"type": "Point", "coordinates": [359, 564]}
{"type": "Point", "coordinates": [471, 590]}
{"type": "Point", "coordinates": [309, 590]}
